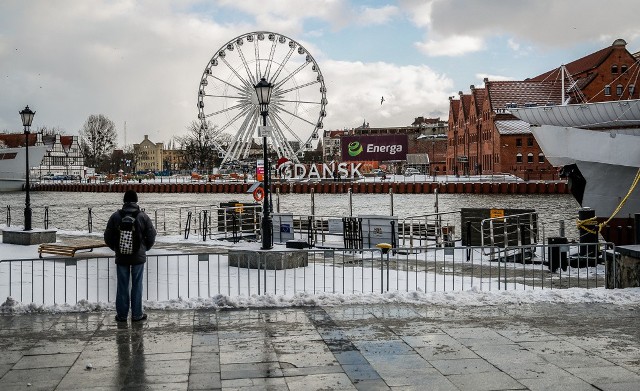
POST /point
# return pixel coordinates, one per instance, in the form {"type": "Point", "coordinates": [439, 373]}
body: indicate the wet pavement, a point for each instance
{"type": "Point", "coordinates": [545, 346]}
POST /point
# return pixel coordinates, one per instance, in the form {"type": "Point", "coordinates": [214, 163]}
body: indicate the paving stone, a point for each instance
{"type": "Point", "coordinates": [485, 381]}
{"type": "Point", "coordinates": [204, 381]}
{"type": "Point", "coordinates": [331, 381]}
{"type": "Point", "coordinates": [365, 347]}
{"type": "Point", "coordinates": [250, 370]}
{"type": "Point", "coordinates": [46, 361]}
{"type": "Point", "coordinates": [462, 366]}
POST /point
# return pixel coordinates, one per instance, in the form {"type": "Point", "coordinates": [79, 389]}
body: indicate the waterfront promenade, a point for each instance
{"type": "Point", "coordinates": [541, 346]}
{"type": "Point", "coordinates": [405, 185]}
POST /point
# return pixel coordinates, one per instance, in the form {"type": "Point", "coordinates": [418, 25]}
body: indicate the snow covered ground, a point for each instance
{"type": "Point", "coordinates": [221, 286]}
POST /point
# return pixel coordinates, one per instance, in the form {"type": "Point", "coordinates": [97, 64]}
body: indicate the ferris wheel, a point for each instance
{"type": "Point", "coordinates": [227, 97]}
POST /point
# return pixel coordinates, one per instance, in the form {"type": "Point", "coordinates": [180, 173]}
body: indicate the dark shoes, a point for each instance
{"type": "Point", "coordinates": [143, 317]}
{"type": "Point", "coordinates": [121, 319]}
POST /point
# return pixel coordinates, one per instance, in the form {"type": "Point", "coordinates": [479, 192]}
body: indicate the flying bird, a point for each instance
{"type": "Point", "coordinates": [381, 100]}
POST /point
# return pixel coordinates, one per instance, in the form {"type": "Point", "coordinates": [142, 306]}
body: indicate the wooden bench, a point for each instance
{"type": "Point", "coordinates": [69, 250]}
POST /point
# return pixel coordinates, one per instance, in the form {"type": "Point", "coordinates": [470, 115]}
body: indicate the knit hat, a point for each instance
{"type": "Point", "coordinates": [130, 196]}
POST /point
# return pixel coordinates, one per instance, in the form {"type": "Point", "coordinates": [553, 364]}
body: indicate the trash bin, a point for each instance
{"type": "Point", "coordinates": [557, 253]}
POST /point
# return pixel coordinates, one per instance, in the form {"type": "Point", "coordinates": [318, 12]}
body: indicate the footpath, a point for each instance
{"type": "Point", "coordinates": [544, 346]}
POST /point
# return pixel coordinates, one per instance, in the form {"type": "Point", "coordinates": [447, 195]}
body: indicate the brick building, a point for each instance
{"type": "Point", "coordinates": [483, 136]}
{"type": "Point", "coordinates": [426, 136]}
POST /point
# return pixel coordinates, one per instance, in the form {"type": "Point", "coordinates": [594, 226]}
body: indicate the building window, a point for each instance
{"type": "Point", "coordinates": [607, 90]}
{"type": "Point", "coordinates": [519, 158]}
{"type": "Point", "coordinates": [614, 69]}
{"type": "Point", "coordinates": [541, 158]}
{"type": "Point", "coordinates": [632, 89]}
{"type": "Point", "coordinates": [619, 89]}
{"type": "Point", "coordinates": [530, 158]}
{"type": "Point", "coordinates": [518, 142]}
{"type": "Point", "coordinates": [623, 69]}
{"type": "Point", "coordinates": [530, 142]}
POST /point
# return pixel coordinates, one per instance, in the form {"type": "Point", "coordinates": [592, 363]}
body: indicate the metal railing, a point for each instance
{"type": "Point", "coordinates": [435, 269]}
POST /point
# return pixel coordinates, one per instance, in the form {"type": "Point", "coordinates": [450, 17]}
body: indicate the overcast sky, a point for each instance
{"type": "Point", "coordinates": [140, 62]}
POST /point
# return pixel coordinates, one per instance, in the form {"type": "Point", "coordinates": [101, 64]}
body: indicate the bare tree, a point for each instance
{"type": "Point", "coordinates": [97, 140]}
{"type": "Point", "coordinates": [51, 131]}
{"type": "Point", "coordinates": [198, 146]}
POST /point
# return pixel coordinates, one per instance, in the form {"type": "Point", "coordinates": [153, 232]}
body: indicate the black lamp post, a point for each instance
{"type": "Point", "coordinates": [263, 92]}
{"type": "Point", "coordinates": [27, 118]}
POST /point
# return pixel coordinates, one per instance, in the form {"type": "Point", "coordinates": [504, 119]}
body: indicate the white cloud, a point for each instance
{"type": "Point", "coordinates": [482, 76]}
{"type": "Point", "coordinates": [382, 15]}
{"type": "Point", "coordinates": [513, 44]}
{"type": "Point", "coordinates": [354, 91]}
{"type": "Point", "coordinates": [454, 45]}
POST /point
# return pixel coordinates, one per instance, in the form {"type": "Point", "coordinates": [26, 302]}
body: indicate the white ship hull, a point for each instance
{"type": "Point", "coordinates": [13, 166]}
{"type": "Point", "coordinates": [608, 161]}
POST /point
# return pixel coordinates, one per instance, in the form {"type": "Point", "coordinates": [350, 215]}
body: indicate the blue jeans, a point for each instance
{"type": "Point", "coordinates": [124, 274]}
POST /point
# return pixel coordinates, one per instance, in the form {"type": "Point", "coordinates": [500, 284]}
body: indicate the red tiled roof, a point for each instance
{"type": "Point", "coordinates": [454, 106]}
{"type": "Point", "coordinates": [14, 140]}
{"type": "Point", "coordinates": [478, 95]}
{"type": "Point", "coordinates": [503, 93]}
{"type": "Point", "coordinates": [466, 104]}
{"type": "Point", "coordinates": [579, 66]}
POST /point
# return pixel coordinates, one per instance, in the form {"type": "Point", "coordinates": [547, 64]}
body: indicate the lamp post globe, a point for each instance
{"type": "Point", "coordinates": [263, 93]}
{"type": "Point", "coordinates": [27, 118]}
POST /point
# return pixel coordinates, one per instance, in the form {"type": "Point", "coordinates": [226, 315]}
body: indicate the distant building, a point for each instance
{"type": "Point", "coordinates": [148, 155]}
{"type": "Point", "coordinates": [331, 144]}
{"type": "Point", "coordinates": [426, 143]}
{"type": "Point", "coordinates": [63, 157]}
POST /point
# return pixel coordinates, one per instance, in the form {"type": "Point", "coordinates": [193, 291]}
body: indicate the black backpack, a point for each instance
{"type": "Point", "coordinates": [129, 233]}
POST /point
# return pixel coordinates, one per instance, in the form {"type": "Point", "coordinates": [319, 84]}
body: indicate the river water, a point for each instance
{"type": "Point", "coordinates": [70, 211]}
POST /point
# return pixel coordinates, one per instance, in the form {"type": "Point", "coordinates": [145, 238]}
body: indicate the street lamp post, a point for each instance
{"type": "Point", "coordinates": [27, 118]}
{"type": "Point", "coordinates": [263, 92]}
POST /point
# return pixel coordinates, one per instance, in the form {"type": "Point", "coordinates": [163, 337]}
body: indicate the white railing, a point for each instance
{"type": "Point", "coordinates": [185, 276]}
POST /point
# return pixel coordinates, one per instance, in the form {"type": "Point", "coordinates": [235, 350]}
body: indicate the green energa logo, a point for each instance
{"type": "Point", "coordinates": [355, 148]}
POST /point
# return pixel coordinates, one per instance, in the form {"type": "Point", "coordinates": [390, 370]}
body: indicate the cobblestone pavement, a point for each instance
{"type": "Point", "coordinates": [374, 347]}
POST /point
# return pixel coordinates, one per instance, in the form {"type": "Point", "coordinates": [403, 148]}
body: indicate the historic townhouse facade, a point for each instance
{"type": "Point", "coordinates": [148, 155]}
{"type": "Point", "coordinates": [63, 157]}
{"type": "Point", "coordinates": [483, 136]}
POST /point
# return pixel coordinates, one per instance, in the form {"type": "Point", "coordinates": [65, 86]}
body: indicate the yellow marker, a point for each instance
{"type": "Point", "coordinates": [383, 246]}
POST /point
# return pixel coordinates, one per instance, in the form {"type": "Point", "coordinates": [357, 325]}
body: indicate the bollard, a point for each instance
{"type": "Point", "coordinates": [557, 257]}
{"type": "Point", "coordinates": [586, 236]}
{"type": "Point", "coordinates": [384, 250]}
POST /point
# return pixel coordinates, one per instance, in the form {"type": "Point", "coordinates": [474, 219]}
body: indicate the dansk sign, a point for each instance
{"type": "Point", "coordinates": [374, 147]}
{"type": "Point", "coordinates": [320, 171]}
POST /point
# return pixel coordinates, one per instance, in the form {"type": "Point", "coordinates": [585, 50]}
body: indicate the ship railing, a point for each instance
{"type": "Point", "coordinates": [208, 277]}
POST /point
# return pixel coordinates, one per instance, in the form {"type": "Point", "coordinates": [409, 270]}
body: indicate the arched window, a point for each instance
{"type": "Point", "coordinates": [541, 157]}
{"type": "Point", "coordinates": [519, 158]}
{"type": "Point", "coordinates": [614, 68]}
{"type": "Point", "coordinates": [619, 89]}
{"type": "Point", "coordinates": [530, 158]}
{"type": "Point", "coordinates": [607, 90]}
{"type": "Point", "coordinates": [623, 69]}
{"type": "Point", "coordinates": [632, 89]}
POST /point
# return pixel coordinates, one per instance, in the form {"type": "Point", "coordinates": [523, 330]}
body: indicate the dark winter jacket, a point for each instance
{"type": "Point", "coordinates": [112, 235]}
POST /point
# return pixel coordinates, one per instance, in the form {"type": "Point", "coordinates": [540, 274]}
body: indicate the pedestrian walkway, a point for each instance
{"type": "Point", "coordinates": [545, 346]}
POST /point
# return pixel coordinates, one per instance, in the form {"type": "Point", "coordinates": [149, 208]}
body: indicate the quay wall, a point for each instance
{"type": "Point", "coordinates": [538, 187]}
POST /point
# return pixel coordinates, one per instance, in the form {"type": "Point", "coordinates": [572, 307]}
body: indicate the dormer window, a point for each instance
{"type": "Point", "coordinates": [607, 90]}
{"type": "Point", "coordinates": [614, 69]}
{"type": "Point", "coordinates": [619, 89]}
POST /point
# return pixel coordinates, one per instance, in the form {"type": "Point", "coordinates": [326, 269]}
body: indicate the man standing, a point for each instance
{"type": "Point", "coordinates": [130, 233]}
